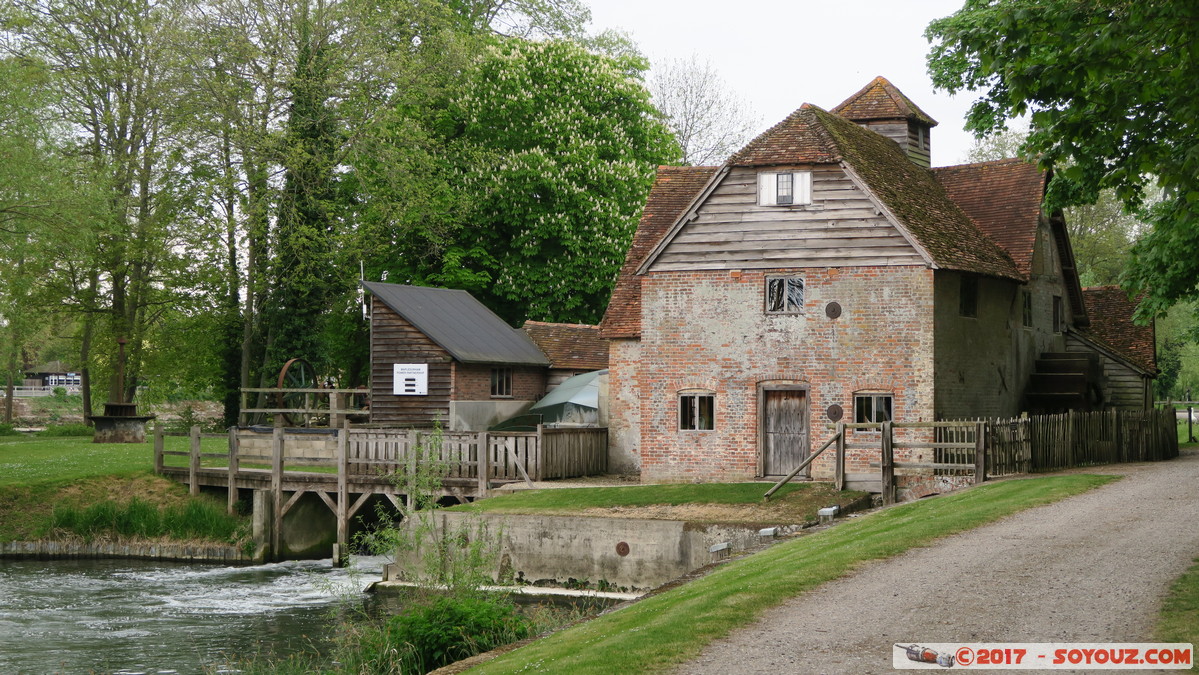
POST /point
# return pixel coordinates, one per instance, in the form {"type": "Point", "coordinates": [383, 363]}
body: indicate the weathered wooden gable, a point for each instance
{"type": "Point", "coordinates": [841, 227]}
{"type": "Point", "coordinates": [395, 340]}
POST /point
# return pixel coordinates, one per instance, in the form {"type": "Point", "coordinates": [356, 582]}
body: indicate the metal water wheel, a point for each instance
{"type": "Point", "coordinates": [299, 374]}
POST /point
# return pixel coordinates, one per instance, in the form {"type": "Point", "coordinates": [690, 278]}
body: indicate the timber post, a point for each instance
{"type": "Point", "coordinates": [484, 465]}
{"type": "Point", "coordinates": [980, 452]}
{"type": "Point", "coordinates": [193, 469]}
{"type": "Point", "coordinates": [840, 459]}
{"type": "Point", "coordinates": [888, 463]}
{"type": "Point", "coordinates": [410, 469]}
{"type": "Point", "coordinates": [159, 446]}
{"type": "Point", "coordinates": [343, 494]}
{"type": "Point", "coordinates": [234, 466]}
{"type": "Point", "coordinates": [276, 490]}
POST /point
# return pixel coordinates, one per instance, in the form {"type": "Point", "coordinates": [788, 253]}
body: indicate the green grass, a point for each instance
{"type": "Point", "coordinates": [1179, 619]}
{"type": "Point", "coordinates": [194, 519]}
{"type": "Point", "coordinates": [666, 630]}
{"type": "Point", "coordinates": [573, 499]}
{"type": "Point", "coordinates": [26, 460]}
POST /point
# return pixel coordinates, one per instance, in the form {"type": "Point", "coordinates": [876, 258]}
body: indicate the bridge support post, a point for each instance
{"type": "Point", "coordinates": [264, 525]}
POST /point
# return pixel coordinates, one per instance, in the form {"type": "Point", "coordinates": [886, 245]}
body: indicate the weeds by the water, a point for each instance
{"type": "Point", "coordinates": [196, 519]}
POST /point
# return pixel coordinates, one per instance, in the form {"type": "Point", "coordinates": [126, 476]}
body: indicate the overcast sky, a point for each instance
{"type": "Point", "coordinates": [780, 54]}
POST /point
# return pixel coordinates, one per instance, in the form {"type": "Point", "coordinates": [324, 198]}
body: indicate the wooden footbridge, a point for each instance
{"type": "Point", "coordinates": [345, 467]}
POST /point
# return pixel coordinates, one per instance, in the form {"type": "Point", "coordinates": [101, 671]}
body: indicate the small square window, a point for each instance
{"type": "Point", "coordinates": [697, 412]}
{"type": "Point", "coordinates": [501, 382]}
{"type": "Point", "coordinates": [872, 408]}
{"type": "Point", "coordinates": [968, 296]}
{"type": "Point", "coordinates": [1059, 314]}
{"type": "Point", "coordinates": [784, 188]}
{"type": "Point", "coordinates": [784, 295]}
{"type": "Point", "coordinates": [1026, 301]}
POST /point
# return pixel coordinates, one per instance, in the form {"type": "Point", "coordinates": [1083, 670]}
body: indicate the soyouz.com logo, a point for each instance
{"type": "Point", "coordinates": [1044, 656]}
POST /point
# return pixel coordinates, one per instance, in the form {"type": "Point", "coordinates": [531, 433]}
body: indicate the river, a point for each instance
{"type": "Point", "coordinates": [119, 616]}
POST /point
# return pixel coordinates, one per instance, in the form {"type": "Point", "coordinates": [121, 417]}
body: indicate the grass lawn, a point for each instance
{"type": "Point", "coordinates": [794, 503]}
{"type": "Point", "coordinates": [31, 459]}
{"type": "Point", "coordinates": [665, 630]}
{"type": "Point", "coordinates": [1179, 619]}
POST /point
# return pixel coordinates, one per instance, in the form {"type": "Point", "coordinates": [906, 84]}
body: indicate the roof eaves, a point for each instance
{"type": "Point", "coordinates": [683, 219]}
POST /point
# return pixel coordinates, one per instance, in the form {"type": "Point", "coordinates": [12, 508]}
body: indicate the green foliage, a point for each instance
{"type": "Point", "coordinates": [448, 629]}
{"type": "Point", "coordinates": [563, 144]}
{"type": "Point", "coordinates": [8, 430]}
{"type": "Point", "coordinates": [1108, 87]}
{"type": "Point", "coordinates": [196, 519]}
{"type": "Point", "coordinates": [64, 430]}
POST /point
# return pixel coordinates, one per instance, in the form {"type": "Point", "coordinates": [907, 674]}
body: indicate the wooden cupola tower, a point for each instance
{"type": "Point", "coordinates": [883, 108]}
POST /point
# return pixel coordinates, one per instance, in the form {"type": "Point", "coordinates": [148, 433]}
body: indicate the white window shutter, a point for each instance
{"type": "Point", "coordinates": [766, 189]}
{"type": "Point", "coordinates": [803, 187]}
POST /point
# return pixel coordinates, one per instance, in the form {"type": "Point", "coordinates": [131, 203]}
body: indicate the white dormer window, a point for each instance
{"type": "Point", "coordinates": [784, 188]}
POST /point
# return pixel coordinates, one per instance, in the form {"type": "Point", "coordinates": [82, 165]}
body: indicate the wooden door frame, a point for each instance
{"type": "Point", "coordinates": [781, 385]}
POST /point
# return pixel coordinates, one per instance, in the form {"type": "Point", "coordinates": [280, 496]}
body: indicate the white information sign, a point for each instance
{"type": "Point", "coordinates": [411, 379]}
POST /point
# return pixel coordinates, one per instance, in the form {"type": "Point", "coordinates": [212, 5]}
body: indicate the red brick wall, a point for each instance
{"type": "Point", "coordinates": [708, 330]}
{"type": "Point", "coordinates": [473, 383]}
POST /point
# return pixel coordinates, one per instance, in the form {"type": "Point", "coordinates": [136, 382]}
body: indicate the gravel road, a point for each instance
{"type": "Point", "coordinates": [1092, 568]}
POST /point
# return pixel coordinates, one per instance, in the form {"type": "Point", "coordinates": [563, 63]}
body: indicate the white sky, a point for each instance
{"type": "Point", "coordinates": [780, 54]}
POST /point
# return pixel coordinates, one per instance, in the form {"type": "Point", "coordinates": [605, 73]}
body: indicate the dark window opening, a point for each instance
{"type": "Point", "coordinates": [872, 408]}
{"type": "Point", "coordinates": [501, 382]}
{"type": "Point", "coordinates": [1026, 300]}
{"type": "Point", "coordinates": [968, 296]}
{"type": "Point", "coordinates": [1059, 314]}
{"type": "Point", "coordinates": [784, 295]}
{"type": "Point", "coordinates": [697, 412]}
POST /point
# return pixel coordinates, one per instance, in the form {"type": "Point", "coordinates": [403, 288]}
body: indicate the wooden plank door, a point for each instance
{"type": "Point", "coordinates": [784, 431]}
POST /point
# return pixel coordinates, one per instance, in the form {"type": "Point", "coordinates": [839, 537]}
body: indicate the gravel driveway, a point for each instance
{"type": "Point", "coordinates": [1091, 568]}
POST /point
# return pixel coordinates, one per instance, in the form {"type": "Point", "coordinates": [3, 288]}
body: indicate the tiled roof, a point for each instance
{"type": "Point", "coordinates": [1111, 313]}
{"type": "Point", "coordinates": [1004, 199]}
{"type": "Point", "coordinates": [673, 191]}
{"type": "Point", "coordinates": [459, 323]}
{"type": "Point", "coordinates": [798, 139]}
{"type": "Point", "coordinates": [880, 100]}
{"type": "Point", "coordinates": [918, 201]}
{"type": "Point", "coordinates": [569, 345]}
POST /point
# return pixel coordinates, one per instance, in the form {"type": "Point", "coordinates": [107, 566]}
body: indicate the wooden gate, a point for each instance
{"type": "Point", "coordinates": [784, 431]}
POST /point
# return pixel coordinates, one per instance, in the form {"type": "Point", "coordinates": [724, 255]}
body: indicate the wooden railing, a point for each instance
{"type": "Point", "coordinates": [399, 454]}
{"type": "Point", "coordinates": [317, 407]}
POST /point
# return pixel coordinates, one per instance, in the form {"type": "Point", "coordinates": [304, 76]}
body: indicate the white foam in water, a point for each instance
{"type": "Point", "coordinates": [116, 616]}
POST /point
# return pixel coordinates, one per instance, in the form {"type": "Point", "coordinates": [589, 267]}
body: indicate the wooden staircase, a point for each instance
{"type": "Point", "coordinates": [1064, 381]}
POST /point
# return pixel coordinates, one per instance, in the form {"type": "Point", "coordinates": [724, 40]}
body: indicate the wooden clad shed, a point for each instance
{"type": "Point", "coordinates": [440, 356]}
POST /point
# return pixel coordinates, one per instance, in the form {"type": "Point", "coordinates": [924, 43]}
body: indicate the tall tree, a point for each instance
{"type": "Point", "coordinates": [560, 150]}
{"type": "Point", "coordinates": [709, 120]}
{"type": "Point", "coordinates": [1108, 86]}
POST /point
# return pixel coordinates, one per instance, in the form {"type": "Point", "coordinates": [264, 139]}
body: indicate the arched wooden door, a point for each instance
{"type": "Point", "coordinates": [784, 430]}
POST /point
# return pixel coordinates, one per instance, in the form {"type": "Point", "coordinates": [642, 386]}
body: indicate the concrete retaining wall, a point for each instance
{"type": "Point", "coordinates": [165, 552]}
{"type": "Point", "coordinates": [551, 550]}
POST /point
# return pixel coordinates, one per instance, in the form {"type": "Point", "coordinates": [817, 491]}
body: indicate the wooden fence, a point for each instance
{"type": "Point", "coordinates": [989, 448]}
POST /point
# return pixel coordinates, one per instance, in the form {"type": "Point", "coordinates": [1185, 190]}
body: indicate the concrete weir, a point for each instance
{"type": "Point", "coordinates": [618, 553]}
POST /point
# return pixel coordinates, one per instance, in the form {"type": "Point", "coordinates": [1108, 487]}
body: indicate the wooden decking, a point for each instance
{"type": "Point", "coordinates": [346, 467]}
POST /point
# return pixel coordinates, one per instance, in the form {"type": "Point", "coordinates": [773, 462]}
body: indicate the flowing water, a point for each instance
{"type": "Point", "coordinates": [116, 616]}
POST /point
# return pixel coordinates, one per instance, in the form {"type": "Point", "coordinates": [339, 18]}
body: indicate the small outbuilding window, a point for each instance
{"type": "Point", "coordinates": [697, 411]}
{"type": "Point", "coordinates": [784, 188]}
{"type": "Point", "coordinates": [501, 382]}
{"type": "Point", "coordinates": [1059, 314]}
{"type": "Point", "coordinates": [1026, 301]}
{"type": "Point", "coordinates": [872, 408]}
{"type": "Point", "coordinates": [784, 295]}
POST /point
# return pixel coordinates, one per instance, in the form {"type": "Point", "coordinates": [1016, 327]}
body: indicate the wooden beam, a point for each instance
{"type": "Point", "coordinates": [234, 465]}
{"type": "Point", "coordinates": [194, 464]}
{"type": "Point", "coordinates": [291, 501]}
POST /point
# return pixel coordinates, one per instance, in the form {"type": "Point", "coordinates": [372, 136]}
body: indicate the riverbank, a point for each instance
{"type": "Point", "coordinates": [135, 550]}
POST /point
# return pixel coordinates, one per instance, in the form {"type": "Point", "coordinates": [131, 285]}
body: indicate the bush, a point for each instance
{"type": "Point", "coordinates": [8, 430]}
{"type": "Point", "coordinates": [67, 430]}
{"type": "Point", "coordinates": [197, 519]}
{"type": "Point", "coordinates": [60, 394]}
{"type": "Point", "coordinates": [444, 630]}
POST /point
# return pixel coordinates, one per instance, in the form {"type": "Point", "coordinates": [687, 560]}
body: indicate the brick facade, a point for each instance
{"type": "Point", "coordinates": [472, 382]}
{"type": "Point", "coordinates": [709, 331]}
